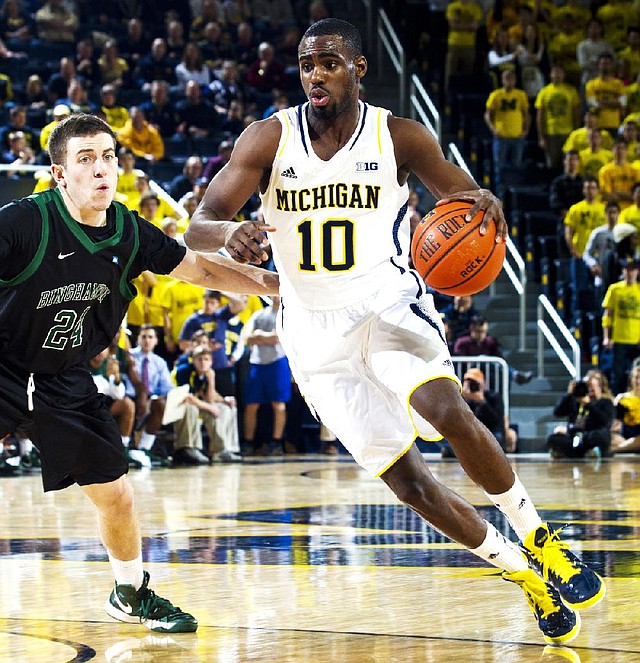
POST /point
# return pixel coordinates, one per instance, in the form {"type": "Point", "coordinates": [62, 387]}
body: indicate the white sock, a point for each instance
{"type": "Point", "coordinates": [125, 441]}
{"type": "Point", "coordinates": [146, 441]}
{"type": "Point", "coordinates": [128, 573]}
{"type": "Point", "coordinates": [518, 508]}
{"type": "Point", "coordinates": [499, 551]}
{"type": "Point", "coordinates": [26, 446]}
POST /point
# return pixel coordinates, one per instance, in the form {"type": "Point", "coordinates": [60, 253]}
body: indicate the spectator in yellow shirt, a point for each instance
{"type": "Point", "coordinates": [618, 177]}
{"type": "Point", "coordinates": [140, 137]}
{"type": "Point", "coordinates": [464, 17]}
{"type": "Point", "coordinates": [605, 95]}
{"type": "Point", "coordinates": [557, 115]}
{"type": "Point", "coordinates": [116, 116]}
{"type": "Point", "coordinates": [581, 219]}
{"type": "Point", "coordinates": [594, 156]}
{"type": "Point", "coordinates": [508, 118]}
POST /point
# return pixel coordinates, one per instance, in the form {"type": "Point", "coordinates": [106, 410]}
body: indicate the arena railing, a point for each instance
{"type": "Point", "coordinates": [571, 357]}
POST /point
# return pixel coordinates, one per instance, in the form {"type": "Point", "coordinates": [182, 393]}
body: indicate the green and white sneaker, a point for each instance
{"type": "Point", "coordinates": [144, 606]}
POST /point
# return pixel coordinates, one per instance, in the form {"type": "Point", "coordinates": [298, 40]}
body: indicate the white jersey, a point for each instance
{"type": "Point", "coordinates": [342, 228]}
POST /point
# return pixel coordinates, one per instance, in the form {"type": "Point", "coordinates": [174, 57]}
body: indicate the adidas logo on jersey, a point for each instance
{"type": "Point", "coordinates": [289, 172]}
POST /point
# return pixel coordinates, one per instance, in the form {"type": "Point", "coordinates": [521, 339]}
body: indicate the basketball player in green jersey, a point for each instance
{"type": "Point", "coordinates": [365, 343]}
{"type": "Point", "coordinates": [67, 260]}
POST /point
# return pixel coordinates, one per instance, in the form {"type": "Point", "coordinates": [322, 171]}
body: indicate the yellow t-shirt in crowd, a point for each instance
{"type": "Point", "coordinates": [584, 217]}
{"type": "Point", "coordinates": [509, 110]}
{"type": "Point", "coordinates": [623, 302]}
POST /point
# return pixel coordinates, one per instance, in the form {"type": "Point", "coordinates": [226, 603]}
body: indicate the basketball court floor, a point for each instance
{"type": "Point", "coordinates": [308, 559]}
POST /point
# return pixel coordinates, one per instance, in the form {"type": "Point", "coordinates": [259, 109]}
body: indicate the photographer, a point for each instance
{"type": "Point", "coordinates": [488, 407]}
{"type": "Point", "coordinates": [589, 418]}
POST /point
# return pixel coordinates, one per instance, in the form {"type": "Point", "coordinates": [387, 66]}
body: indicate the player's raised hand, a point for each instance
{"type": "Point", "coordinates": [487, 202]}
{"type": "Point", "coordinates": [247, 241]}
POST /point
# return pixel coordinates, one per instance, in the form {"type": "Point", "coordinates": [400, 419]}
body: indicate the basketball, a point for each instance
{"type": "Point", "coordinates": [450, 253]}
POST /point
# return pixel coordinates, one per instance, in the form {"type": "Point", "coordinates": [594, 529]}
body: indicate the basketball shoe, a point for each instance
{"type": "Point", "coordinates": [579, 586]}
{"type": "Point", "coordinates": [144, 606]}
{"type": "Point", "coordinates": [559, 623]}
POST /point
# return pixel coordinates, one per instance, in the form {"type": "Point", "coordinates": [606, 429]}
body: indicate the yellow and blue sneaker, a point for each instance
{"type": "Point", "coordinates": [559, 623]}
{"type": "Point", "coordinates": [579, 586]}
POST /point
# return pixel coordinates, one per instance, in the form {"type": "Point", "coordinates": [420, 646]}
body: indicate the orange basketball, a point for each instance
{"type": "Point", "coordinates": [450, 253]}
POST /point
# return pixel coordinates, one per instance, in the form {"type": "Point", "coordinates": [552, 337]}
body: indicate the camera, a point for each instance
{"type": "Point", "coordinates": [580, 389]}
{"type": "Point", "coordinates": [474, 386]}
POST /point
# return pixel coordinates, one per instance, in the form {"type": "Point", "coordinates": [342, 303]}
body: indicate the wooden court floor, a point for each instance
{"type": "Point", "coordinates": [309, 559]}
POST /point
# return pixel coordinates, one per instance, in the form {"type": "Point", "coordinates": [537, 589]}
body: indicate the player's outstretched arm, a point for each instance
{"type": "Point", "coordinates": [248, 170]}
{"type": "Point", "coordinates": [217, 272]}
{"type": "Point", "coordinates": [418, 151]}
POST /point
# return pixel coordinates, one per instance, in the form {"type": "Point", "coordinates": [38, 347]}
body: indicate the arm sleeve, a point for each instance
{"type": "Point", "coordinates": [20, 232]}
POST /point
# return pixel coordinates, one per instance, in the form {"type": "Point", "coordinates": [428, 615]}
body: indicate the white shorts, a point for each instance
{"type": "Point", "coordinates": [358, 366]}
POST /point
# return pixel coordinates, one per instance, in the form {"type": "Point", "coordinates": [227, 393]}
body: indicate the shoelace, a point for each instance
{"type": "Point", "coordinates": [540, 598]}
{"type": "Point", "coordinates": [153, 605]}
{"type": "Point", "coordinates": [547, 554]}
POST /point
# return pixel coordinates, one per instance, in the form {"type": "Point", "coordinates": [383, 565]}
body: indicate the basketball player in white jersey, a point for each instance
{"type": "Point", "coordinates": [365, 343]}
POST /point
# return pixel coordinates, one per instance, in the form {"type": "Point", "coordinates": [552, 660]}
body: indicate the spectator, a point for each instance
{"type": "Point", "coordinates": [86, 62]}
{"type": "Point", "coordinates": [621, 323]}
{"type": "Point", "coordinates": [178, 303]}
{"type": "Point", "coordinates": [140, 137]}
{"type": "Point", "coordinates": [18, 122]}
{"type": "Point", "coordinates": [564, 191]}
{"type": "Point", "coordinates": [59, 81]}
{"type": "Point", "coordinates": [35, 93]}
{"type": "Point", "coordinates": [458, 315]}
{"type": "Point", "coordinates": [211, 11]}
{"type": "Point", "coordinates": [214, 319]}
{"type": "Point", "coordinates": [192, 67]}
{"type": "Point", "coordinates": [479, 342]}
{"type": "Point", "coordinates": [269, 379]}
{"type": "Point", "coordinates": [265, 74]}
{"type": "Point", "coordinates": [563, 43]}
{"type": "Point", "coordinates": [116, 116]}
{"type": "Point", "coordinates": [183, 183]}
{"type": "Point", "coordinates": [156, 66]}
{"type": "Point", "coordinates": [618, 177]}
{"type": "Point", "coordinates": [156, 378]}
{"type": "Point", "coordinates": [488, 407]}
{"type": "Point", "coordinates": [616, 17]}
{"type": "Point", "coordinates": [245, 46]}
{"type": "Point", "coordinates": [594, 156]}
{"type": "Point", "coordinates": [55, 22]}
{"type": "Point", "coordinates": [629, 57]}
{"type": "Point", "coordinates": [113, 68]}
{"type": "Point", "coordinates": [502, 54]}
{"type": "Point", "coordinates": [17, 27]}
{"type": "Point", "coordinates": [216, 163]}
{"type": "Point", "coordinates": [197, 117]}
{"type": "Point", "coordinates": [605, 93]}
{"type": "Point", "coordinates": [175, 41]}
{"type": "Point", "coordinates": [60, 111]}
{"type": "Point", "coordinates": [215, 46]}
{"type": "Point", "coordinates": [590, 49]}
{"type": "Point", "coordinates": [227, 87]}
{"type": "Point", "coordinates": [160, 110]}
{"type": "Point", "coordinates": [271, 17]}
{"type": "Point", "coordinates": [532, 61]}
{"type": "Point", "coordinates": [625, 236]}
{"type": "Point", "coordinates": [589, 415]}
{"type": "Point", "coordinates": [18, 154]}
{"type": "Point", "coordinates": [631, 214]}
{"type": "Point", "coordinates": [557, 115]}
{"type": "Point", "coordinates": [233, 121]}
{"type": "Point", "coordinates": [464, 17]}
{"type": "Point", "coordinates": [626, 437]}
{"type": "Point", "coordinates": [219, 414]}
{"type": "Point", "coordinates": [579, 138]}
{"type": "Point", "coordinates": [508, 118]}
{"type": "Point", "coordinates": [629, 131]}
{"type": "Point", "coordinates": [77, 97]}
{"type": "Point", "coordinates": [134, 45]}
{"type": "Point", "coordinates": [600, 242]}
{"type": "Point", "coordinates": [581, 219]}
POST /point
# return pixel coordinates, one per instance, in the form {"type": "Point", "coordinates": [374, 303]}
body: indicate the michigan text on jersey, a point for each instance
{"type": "Point", "coordinates": [353, 196]}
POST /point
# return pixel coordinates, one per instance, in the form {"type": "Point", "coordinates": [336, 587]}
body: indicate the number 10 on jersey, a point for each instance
{"type": "Point", "coordinates": [329, 244]}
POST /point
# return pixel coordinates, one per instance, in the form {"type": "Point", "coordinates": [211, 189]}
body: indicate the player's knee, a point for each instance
{"type": "Point", "coordinates": [417, 492]}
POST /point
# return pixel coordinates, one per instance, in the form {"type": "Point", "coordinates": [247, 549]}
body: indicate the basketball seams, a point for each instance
{"type": "Point", "coordinates": [449, 246]}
